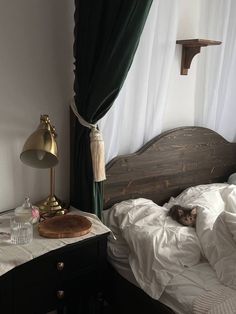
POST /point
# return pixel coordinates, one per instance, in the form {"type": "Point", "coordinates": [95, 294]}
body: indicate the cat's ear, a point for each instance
{"type": "Point", "coordinates": [194, 211]}
{"type": "Point", "coordinates": [180, 212]}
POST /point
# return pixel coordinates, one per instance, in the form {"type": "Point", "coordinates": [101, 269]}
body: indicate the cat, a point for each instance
{"type": "Point", "coordinates": [184, 216]}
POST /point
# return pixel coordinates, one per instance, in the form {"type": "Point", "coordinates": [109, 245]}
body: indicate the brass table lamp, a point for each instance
{"type": "Point", "coordinates": [40, 151]}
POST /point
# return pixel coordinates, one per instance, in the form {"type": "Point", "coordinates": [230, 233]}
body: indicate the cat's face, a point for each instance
{"type": "Point", "coordinates": [187, 218]}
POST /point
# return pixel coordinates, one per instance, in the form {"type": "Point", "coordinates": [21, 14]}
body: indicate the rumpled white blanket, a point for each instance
{"type": "Point", "coordinates": [159, 248]}
{"type": "Point", "coordinates": [215, 227]}
{"type": "Point", "coordinates": [216, 230]}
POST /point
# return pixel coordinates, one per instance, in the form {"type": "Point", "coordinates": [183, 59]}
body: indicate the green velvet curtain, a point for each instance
{"type": "Point", "coordinates": [106, 36]}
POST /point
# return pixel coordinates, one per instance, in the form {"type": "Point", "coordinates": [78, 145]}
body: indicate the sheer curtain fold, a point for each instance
{"type": "Point", "coordinates": [215, 89]}
{"type": "Point", "coordinates": [136, 115]}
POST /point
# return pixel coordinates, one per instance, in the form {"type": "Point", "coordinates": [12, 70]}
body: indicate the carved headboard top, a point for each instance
{"type": "Point", "coordinates": [169, 163]}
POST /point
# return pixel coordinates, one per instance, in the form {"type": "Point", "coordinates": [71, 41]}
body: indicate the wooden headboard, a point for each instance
{"type": "Point", "coordinates": [168, 164]}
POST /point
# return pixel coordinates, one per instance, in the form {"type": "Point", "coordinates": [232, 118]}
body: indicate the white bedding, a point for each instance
{"type": "Point", "coordinates": [216, 229]}
{"type": "Point", "coordinates": [180, 293]}
{"type": "Point", "coordinates": [154, 242]}
{"type": "Point", "coordinates": [165, 256]}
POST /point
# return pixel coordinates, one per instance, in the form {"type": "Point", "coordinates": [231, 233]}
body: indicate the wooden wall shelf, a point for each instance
{"type": "Point", "coordinates": [191, 47]}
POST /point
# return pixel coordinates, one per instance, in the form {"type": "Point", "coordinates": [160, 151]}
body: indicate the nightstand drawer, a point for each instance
{"type": "Point", "coordinates": [38, 270]}
{"type": "Point", "coordinates": [38, 299]}
{"type": "Point", "coordinates": [73, 260]}
{"type": "Point", "coordinates": [45, 297]}
{"type": "Point", "coordinates": [76, 261]}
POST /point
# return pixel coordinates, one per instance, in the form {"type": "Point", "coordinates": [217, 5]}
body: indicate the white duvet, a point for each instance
{"type": "Point", "coordinates": [216, 230]}
{"type": "Point", "coordinates": [159, 248]}
{"type": "Point", "coordinates": [215, 227]}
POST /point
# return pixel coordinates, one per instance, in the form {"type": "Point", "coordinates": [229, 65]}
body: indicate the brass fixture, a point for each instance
{"type": "Point", "coordinates": [40, 151]}
{"type": "Point", "coordinates": [60, 266]}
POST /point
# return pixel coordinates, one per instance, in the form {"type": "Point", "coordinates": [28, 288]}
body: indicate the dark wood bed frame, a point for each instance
{"type": "Point", "coordinates": [164, 167]}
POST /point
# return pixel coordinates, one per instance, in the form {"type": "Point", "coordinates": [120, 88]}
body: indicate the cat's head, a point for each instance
{"type": "Point", "coordinates": [185, 216]}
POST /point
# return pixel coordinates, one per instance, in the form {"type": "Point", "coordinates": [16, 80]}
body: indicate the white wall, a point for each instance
{"type": "Point", "coordinates": [36, 77]}
{"type": "Point", "coordinates": [180, 102]}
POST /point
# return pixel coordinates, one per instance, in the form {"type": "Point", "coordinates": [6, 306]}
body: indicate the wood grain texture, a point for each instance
{"type": "Point", "coordinates": [168, 164]}
{"type": "Point", "coordinates": [66, 226]}
{"type": "Point", "coordinates": [198, 42]}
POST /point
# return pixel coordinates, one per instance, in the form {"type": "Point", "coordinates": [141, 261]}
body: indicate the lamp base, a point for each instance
{"type": "Point", "coordinates": [51, 206]}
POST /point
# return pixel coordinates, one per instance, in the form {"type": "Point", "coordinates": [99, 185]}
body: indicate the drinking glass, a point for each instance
{"type": "Point", "coordinates": [21, 230]}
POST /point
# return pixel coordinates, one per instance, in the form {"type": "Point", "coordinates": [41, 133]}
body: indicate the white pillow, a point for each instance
{"type": "Point", "coordinates": [232, 178]}
{"type": "Point", "coordinates": [190, 196]}
{"type": "Point", "coordinates": [209, 203]}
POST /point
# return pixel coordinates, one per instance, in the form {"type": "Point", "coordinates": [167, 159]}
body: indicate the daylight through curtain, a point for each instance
{"type": "Point", "coordinates": [215, 90]}
{"type": "Point", "coordinates": [137, 114]}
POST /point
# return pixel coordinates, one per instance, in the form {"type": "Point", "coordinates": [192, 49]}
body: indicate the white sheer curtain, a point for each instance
{"type": "Point", "coordinates": [136, 115]}
{"type": "Point", "coordinates": [215, 89]}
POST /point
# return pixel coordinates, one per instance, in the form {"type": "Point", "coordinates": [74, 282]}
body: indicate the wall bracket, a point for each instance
{"type": "Point", "coordinates": [191, 47]}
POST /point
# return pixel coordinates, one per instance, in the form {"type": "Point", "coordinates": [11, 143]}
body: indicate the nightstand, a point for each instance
{"type": "Point", "coordinates": [68, 279]}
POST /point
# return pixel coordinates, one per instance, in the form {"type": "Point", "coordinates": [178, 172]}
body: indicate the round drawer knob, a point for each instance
{"type": "Point", "coordinates": [60, 294]}
{"type": "Point", "coordinates": [60, 266]}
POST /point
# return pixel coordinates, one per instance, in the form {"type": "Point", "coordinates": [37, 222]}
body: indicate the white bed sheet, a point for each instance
{"type": "Point", "coordinates": [182, 290]}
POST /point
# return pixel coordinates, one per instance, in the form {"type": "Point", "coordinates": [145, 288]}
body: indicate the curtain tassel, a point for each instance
{"type": "Point", "coordinates": [96, 147]}
{"type": "Point", "coordinates": [97, 153]}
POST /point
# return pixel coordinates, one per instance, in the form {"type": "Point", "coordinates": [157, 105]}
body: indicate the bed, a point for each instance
{"type": "Point", "coordinates": [159, 172]}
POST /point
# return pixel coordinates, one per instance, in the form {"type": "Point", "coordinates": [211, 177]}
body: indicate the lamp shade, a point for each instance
{"type": "Point", "coordinates": [40, 149]}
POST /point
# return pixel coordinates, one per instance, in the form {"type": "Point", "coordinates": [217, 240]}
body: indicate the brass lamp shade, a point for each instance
{"type": "Point", "coordinates": [40, 149]}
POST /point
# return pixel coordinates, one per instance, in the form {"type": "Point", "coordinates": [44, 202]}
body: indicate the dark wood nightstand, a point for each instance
{"type": "Point", "coordinates": [69, 279]}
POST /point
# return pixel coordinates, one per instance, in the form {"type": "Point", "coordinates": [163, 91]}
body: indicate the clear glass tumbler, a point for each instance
{"type": "Point", "coordinates": [21, 230]}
